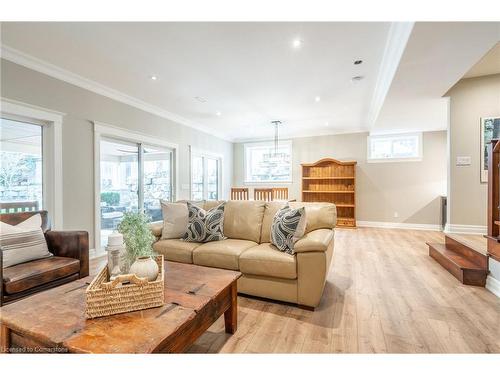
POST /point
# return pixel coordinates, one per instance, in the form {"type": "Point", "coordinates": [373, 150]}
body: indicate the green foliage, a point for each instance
{"type": "Point", "coordinates": [137, 236]}
{"type": "Point", "coordinates": [111, 198]}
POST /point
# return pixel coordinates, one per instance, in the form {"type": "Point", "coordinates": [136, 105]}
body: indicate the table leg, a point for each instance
{"type": "Point", "coordinates": [4, 339]}
{"type": "Point", "coordinates": [231, 314]}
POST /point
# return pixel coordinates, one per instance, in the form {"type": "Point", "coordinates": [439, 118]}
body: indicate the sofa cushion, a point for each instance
{"type": "Point", "coordinates": [243, 220]}
{"type": "Point", "coordinates": [266, 260]}
{"type": "Point", "coordinates": [221, 254]}
{"type": "Point", "coordinates": [318, 215]}
{"type": "Point", "coordinates": [207, 205]}
{"type": "Point", "coordinates": [205, 226]}
{"type": "Point", "coordinates": [176, 250]}
{"type": "Point", "coordinates": [29, 275]}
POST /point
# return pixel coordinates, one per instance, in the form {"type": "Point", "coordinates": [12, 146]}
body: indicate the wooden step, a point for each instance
{"type": "Point", "coordinates": [474, 248]}
{"type": "Point", "coordinates": [465, 270]}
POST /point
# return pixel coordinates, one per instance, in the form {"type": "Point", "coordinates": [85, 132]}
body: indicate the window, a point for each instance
{"type": "Point", "coordinates": [21, 166]}
{"type": "Point", "coordinates": [31, 159]}
{"type": "Point", "coordinates": [133, 172]}
{"type": "Point", "coordinates": [265, 164]}
{"type": "Point", "coordinates": [397, 147]}
{"type": "Point", "coordinates": [205, 177]}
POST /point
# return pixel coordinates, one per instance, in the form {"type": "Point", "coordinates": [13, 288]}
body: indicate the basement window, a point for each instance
{"type": "Point", "coordinates": [394, 147]}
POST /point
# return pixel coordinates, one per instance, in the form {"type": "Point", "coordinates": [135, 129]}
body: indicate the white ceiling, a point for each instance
{"type": "Point", "coordinates": [489, 64]}
{"type": "Point", "coordinates": [251, 73]}
{"type": "Point", "coordinates": [437, 55]}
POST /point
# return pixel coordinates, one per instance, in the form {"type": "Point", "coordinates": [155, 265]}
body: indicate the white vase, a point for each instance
{"type": "Point", "coordinates": [145, 267]}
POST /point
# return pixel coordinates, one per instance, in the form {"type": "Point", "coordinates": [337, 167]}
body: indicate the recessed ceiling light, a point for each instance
{"type": "Point", "coordinates": [357, 62]}
{"type": "Point", "coordinates": [317, 98]}
{"type": "Point", "coordinates": [297, 43]}
{"type": "Point", "coordinates": [153, 78]}
{"type": "Point", "coordinates": [218, 113]}
{"type": "Point", "coordinates": [357, 79]}
{"type": "Point", "coordinates": [327, 123]}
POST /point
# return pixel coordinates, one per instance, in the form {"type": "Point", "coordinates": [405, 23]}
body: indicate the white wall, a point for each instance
{"type": "Point", "coordinates": [82, 107]}
{"type": "Point", "coordinates": [410, 189]}
{"type": "Point", "coordinates": [470, 99]}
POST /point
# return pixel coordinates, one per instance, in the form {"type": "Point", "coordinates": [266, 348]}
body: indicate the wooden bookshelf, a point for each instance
{"type": "Point", "coordinates": [330, 180]}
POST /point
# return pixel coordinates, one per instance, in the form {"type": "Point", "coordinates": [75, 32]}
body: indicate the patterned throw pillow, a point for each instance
{"type": "Point", "coordinates": [205, 226]}
{"type": "Point", "coordinates": [287, 228]}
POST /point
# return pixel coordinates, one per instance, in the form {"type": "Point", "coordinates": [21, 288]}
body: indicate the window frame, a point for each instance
{"type": "Point", "coordinates": [249, 145]}
{"type": "Point", "coordinates": [206, 155]}
{"type": "Point", "coordinates": [393, 137]}
{"type": "Point", "coordinates": [106, 131]}
{"type": "Point", "coordinates": [51, 122]}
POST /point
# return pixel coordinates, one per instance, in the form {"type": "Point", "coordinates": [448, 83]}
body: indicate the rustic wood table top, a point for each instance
{"type": "Point", "coordinates": [195, 297]}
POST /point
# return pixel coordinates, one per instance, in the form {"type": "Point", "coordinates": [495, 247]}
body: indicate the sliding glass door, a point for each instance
{"type": "Point", "coordinates": [133, 176]}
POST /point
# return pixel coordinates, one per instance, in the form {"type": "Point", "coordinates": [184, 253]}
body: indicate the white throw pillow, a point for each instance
{"type": "Point", "coordinates": [175, 219]}
{"type": "Point", "coordinates": [23, 242]}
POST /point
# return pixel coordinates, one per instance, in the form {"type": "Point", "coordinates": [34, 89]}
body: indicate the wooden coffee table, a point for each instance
{"type": "Point", "coordinates": [54, 321]}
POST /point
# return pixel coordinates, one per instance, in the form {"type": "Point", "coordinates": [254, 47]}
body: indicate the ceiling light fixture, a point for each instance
{"type": "Point", "coordinates": [218, 113]}
{"type": "Point", "coordinates": [327, 123]}
{"type": "Point", "coordinates": [317, 99]}
{"type": "Point", "coordinates": [153, 78]}
{"type": "Point", "coordinates": [297, 43]}
{"type": "Point", "coordinates": [276, 124]}
{"type": "Point", "coordinates": [356, 79]}
{"type": "Point", "coordinates": [357, 62]}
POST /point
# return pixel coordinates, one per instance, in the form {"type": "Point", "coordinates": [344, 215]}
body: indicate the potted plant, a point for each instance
{"type": "Point", "coordinates": [138, 242]}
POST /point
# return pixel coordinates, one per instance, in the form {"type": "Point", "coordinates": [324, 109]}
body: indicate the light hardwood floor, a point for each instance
{"type": "Point", "coordinates": [384, 294]}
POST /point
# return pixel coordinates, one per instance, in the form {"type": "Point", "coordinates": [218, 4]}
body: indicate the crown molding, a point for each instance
{"type": "Point", "coordinates": [399, 33]}
{"type": "Point", "coordinates": [39, 65]}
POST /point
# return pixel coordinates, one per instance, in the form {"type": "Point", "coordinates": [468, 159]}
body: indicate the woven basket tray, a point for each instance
{"type": "Point", "coordinates": [108, 298]}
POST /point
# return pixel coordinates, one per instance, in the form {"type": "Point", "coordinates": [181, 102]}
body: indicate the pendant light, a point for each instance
{"type": "Point", "coordinates": [276, 124]}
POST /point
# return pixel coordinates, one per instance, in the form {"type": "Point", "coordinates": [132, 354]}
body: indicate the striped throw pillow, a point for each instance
{"type": "Point", "coordinates": [23, 242]}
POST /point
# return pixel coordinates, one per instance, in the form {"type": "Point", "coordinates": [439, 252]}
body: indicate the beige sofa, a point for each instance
{"type": "Point", "coordinates": [267, 272]}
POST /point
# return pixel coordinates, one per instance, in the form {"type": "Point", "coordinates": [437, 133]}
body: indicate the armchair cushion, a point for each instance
{"type": "Point", "coordinates": [29, 275]}
{"type": "Point", "coordinates": [317, 240]}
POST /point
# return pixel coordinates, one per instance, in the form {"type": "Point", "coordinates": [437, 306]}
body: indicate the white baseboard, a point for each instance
{"type": "Point", "coordinates": [465, 229]}
{"type": "Point", "coordinates": [385, 224]}
{"type": "Point", "coordinates": [493, 285]}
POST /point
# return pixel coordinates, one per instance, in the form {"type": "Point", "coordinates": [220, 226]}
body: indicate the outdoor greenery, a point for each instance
{"type": "Point", "coordinates": [111, 198]}
{"type": "Point", "coordinates": [136, 235]}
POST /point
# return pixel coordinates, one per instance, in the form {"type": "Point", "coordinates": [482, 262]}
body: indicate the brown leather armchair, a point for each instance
{"type": "Point", "coordinates": [70, 261]}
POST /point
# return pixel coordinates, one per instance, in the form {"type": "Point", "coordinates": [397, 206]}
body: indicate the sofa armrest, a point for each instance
{"type": "Point", "coordinates": [70, 244]}
{"type": "Point", "coordinates": [156, 228]}
{"type": "Point", "coordinates": [317, 240]}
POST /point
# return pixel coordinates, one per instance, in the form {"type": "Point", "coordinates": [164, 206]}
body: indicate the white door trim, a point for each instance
{"type": "Point", "coordinates": [52, 152]}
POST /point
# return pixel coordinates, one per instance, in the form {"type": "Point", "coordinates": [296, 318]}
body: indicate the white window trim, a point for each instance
{"type": "Point", "coordinates": [52, 152]}
{"type": "Point", "coordinates": [102, 129]}
{"type": "Point", "coordinates": [245, 163]}
{"type": "Point", "coordinates": [394, 160]}
{"type": "Point", "coordinates": [193, 151]}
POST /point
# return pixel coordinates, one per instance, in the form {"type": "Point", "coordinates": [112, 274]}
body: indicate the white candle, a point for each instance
{"type": "Point", "coordinates": [115, 239]}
